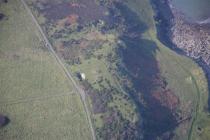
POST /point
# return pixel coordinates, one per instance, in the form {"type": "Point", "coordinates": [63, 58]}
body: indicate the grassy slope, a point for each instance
{"type": "Point", "coordinates": [35, 94]}
{"type": "Point", "coordinates": [183, 75]}
{"type": "Point", "coordinates": [94, 69]}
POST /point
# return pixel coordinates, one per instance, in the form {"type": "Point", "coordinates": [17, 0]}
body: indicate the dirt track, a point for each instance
{"type": "Point", "coordinates": [67, 72]}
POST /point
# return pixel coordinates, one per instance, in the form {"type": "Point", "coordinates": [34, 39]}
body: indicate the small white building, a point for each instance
{"type": "Point", "coordinates": [83, 77]}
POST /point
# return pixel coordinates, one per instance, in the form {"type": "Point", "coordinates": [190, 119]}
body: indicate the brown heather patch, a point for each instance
{"type": "Point", "coordinates": [167, 99]}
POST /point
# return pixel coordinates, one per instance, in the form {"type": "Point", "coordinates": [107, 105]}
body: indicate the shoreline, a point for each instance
{"type": "Point", "coordinates": [188, 39]}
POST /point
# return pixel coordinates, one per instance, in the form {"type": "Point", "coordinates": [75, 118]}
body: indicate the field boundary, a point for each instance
{"type": "Point", "coordinates": [32, 99]}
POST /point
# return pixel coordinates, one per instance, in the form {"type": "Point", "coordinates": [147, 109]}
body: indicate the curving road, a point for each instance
{"type": "Point", "coordinates": [80, 91]}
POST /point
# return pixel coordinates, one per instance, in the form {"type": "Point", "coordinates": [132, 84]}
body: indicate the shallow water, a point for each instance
{"type": "Point", "coordinates": [195, 10]}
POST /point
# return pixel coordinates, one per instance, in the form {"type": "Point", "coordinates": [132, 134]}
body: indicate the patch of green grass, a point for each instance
{"type": "Point", "coordinates": [98, 121]}
{"type": "Point", "coordinates": [52, 118]}
{"type": "Point", "coordinates": [35, 93]}
{"type": "Point", "coordinates": [126, 108]}
{"type": "Point", "coordinates": [94, 68]}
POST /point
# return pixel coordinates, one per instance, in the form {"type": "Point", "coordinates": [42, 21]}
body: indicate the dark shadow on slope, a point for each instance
{"type": "Point", "coordinates": [163, 25]}
{"type": "Point", "coordinates": [142, 68]}
{"type": "Point", "coordinates": [141, 63]}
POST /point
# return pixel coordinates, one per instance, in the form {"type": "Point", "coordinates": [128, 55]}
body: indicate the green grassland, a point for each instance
{"type": "Point", "coordinates": [183, 76]}
{"type": "Point", "coordinates": [34, 92]}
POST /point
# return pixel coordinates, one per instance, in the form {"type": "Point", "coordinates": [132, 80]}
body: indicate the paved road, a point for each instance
{"type": "Point", "coordinates": [67, 72]}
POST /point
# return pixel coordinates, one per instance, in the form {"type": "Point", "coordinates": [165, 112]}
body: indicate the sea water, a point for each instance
{"type": "Point", "coordinates": [195, 10]}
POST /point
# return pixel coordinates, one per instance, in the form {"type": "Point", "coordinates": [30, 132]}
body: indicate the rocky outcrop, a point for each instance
{"type": "Point", "coordinates": [192, 38]}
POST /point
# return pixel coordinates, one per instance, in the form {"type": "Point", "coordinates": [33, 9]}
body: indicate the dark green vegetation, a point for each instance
{"type": "Point", "coordinates": [37, 101]}
{"type": "Point", "coordinates": [2, 16]}
{"type": "Point", "coordinates": [137, 87]}
{"type": "Point", "coordinates": [4, 120]}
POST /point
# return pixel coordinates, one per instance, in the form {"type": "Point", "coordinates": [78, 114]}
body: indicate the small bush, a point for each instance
{"type": "Point", "coordinates": [4, 120]}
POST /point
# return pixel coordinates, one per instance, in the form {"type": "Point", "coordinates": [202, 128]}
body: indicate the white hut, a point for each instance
{"type": "Point", "coordinates": [83, 77]}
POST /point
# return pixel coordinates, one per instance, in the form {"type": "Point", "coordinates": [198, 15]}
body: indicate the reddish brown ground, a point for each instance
{"type": "Point", "coordinates": [167, 98]}
{"type": "Point", "coordinates": [86, 10]}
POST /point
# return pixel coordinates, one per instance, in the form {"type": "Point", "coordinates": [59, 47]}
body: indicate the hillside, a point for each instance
{"type": "Point", "coordinates": [133, 85]}
{"type": "Point", "coordinates": [138, 88]}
